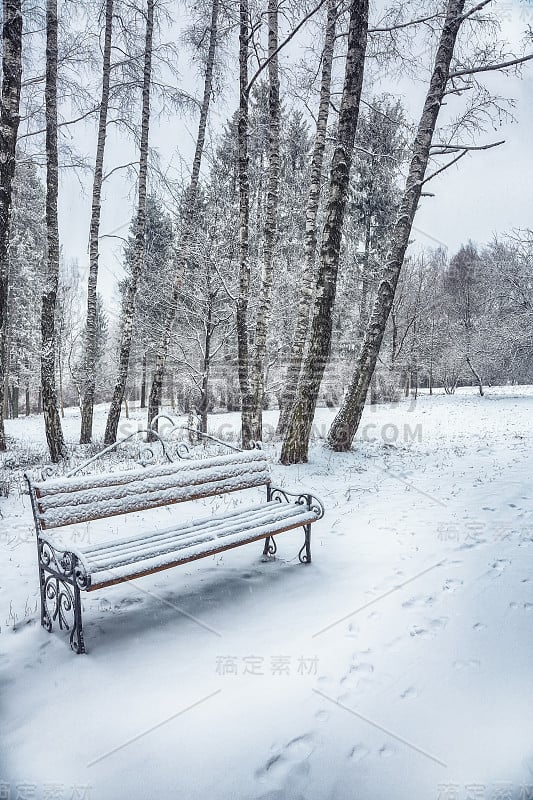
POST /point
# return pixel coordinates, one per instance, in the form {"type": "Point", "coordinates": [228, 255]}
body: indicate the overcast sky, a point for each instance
{"type": "Point", "coordinates": [488, 193]}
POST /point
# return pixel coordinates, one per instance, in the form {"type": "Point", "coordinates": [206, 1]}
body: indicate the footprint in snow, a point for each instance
{"type": "Point", "coordinates": [479, 626]}
{"type": "Point", "coordinates": [452, 585]}
{"type": "Point", "coordinates": [501, 564]}
{"type": "Point", "coordinates": [433, 626]}
{"type": "Point", "coordinates": [409, 693]}
{"type": "Point", "coordinates": [358, 752]}
{"type": "Point", "coordinates": [386, 751]}
{"type": "Point", "coordinates": [462, 665]}
{"type": "Point", "coordinates": [418, 601]}
{"type": "Point", "coordinates": [362, 668]}
{"type": "Point", "coordinates": [290, 763]}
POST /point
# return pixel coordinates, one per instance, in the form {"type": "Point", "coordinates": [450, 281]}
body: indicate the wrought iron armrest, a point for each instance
{"type": "Point", "coordinates": [302, 499]}
{"type": "Point", "coordinates": [63, 563]}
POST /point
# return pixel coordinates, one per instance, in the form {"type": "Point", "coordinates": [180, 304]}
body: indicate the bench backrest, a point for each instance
{"type": "Point", "coordinates": [66, 501]}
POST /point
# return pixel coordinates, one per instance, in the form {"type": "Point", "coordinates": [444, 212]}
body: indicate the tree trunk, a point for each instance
{"type": "Point", "coordinates": [9, 122]}
{"type": "Point", "coordinates": [296, 442]}
{"type": "Point", "coordinates": [305, 299]}
{"type": "Point", "coordinates": [366, 281]}
{"type": "Point", "coordinates": [244, 219]}
{"type": "Point", "coordinates": [204, 392]}
{"type": "Point", "coordinates": [188, 222]}
{"type": "Point", "coordinates": [52, 421]}
{"type": "Point", "coordinates": [15, 402]}
{"type": "Point", "coordinates": [89, 377]}
{"type": "Point", "coordinates": [270, 229]}
{"type": "Point", "coordinates": [128, 309]}
{"type": "Point", "coordinates": [346, 422]}
{"type": "Point", "coordinates": [143, 382]}
{"type": "Point", "coordinates": [27, 399]}
{"type": "Point", "coordinates": [476, 375]}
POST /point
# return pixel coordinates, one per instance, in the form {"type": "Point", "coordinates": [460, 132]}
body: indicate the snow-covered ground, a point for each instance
{"type": "Point", "coordinates": [397, 665]}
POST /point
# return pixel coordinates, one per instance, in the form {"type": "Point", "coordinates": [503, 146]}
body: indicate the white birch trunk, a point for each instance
{"type": "Point", "coordinates": [94, 231]}
{"type": "Point", "coordinates": [9, 122]}
{"type": "Point", "coordinates": [305, 300]}
{"type": "Point", "coordinates": [296, 441]}
{"type": "Point", "coordinates": [52, 421]}
{"type": "Point", "coordinates": [128, 309]}
{"type": "Point", "coordinates": [346, 422]}
{"type": "Point", "coordinates": [188, 222]}
{"type": "Point", "coordinates": [270, 229]}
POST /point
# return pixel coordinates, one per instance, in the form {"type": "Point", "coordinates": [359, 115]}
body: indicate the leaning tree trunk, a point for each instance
{"type": "Point", "coordinates": [305, 287]}
{"type": "Point", "coordinates": [89, 378]}
{"type": "Point", "coordinates": [9, 122]}
{"type": "Point", "coordinates": [244, 224]}
{"type": "Point", "coordinates": [296, 442]}
{"type": "Point", "coordinates": [52, 421]}
{"type": "Point", "coordinates": [188, 223]}
{"type": "Point", "coordinates": [346, 422]}
{"type": "Point", "coordinates": [270, 229]}
{"type": "Point", "coordinates": [476, 375]}
{"type": "Point", "coordinates": [128, 308]}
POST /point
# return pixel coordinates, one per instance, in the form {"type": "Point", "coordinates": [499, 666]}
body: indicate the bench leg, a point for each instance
{"type": "Point", "coordinates": [304, 556]}
{"type": "Point", "coordinates": [270, 547]}
{"type": "Point", "coordinates": [60, 594]}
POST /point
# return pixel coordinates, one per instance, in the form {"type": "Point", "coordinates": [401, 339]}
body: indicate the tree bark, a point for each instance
{"type": "Point", "coordinates": [305, 300]}
{"type": "Point", "coordinates": [52, 421]}
{"type": "Point", "coordinates": [143, 382]}
{"type": "Point", "coordinates": [191, 198]}
{"type": "Point", "coordinates": [270, 228]}
{"type": "Point", "coordinates": [9, 122]}
{"type": "Point", "coordinates": [296, 442]}
{"type": "Point", "coordinates": [89, 378]}
{"type": "Point", "coordinates": [476, 375]}
{"type": "Point", "coordinates": [128, 309]}
{"type": "Point", "coordinates": [346, 422]}
{"type": "Point", "coordinates": [244, 220]}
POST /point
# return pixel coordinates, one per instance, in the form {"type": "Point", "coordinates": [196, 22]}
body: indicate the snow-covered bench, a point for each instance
{"type": "Point", "coordinates": [68, 500]}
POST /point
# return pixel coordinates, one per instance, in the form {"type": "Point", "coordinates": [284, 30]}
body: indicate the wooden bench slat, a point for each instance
{"type": "Point", "coordinates": [148, 483]}
{"type": "Point", "coordinates": [186, 536]}
{"type": "Point", "coordinates": [151, 565]}
{"type": "Point", "coordinates": [77, 483]}
{"type": "Point", "coordinates": [116, 545]}
{"type": "Point", "coordinates": [86, 512]}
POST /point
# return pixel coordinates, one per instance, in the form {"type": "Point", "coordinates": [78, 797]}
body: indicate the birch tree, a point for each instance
{"type": "Point", "coordinates": [52, 421]}
{"type": "Point", "coordinates": [270, 228]}
{"type": "Point", "coordinates": [9, 122]}
{"type": "Point", "coordinates": [244, 232]}
{"type": "Point", "coordinates": [191, 198]}
{"type": "Point", "coordinates": [94, 231]}
{"type": "Point", "coordinates": [128, 306]}
{"type": "Point", "coordinates": [296, 439]}
{"type": "Point", "coordinates": [305, 289]}
{"type": "Point", "coordinates": [346, 422]}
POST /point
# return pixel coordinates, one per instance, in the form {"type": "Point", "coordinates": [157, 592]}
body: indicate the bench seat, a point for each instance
{"type": "Point", "coordinates": [119, 560]}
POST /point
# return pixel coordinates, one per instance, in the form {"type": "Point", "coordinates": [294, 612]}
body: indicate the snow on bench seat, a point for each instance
{"type": "Point", "coordinates": [117, 560]}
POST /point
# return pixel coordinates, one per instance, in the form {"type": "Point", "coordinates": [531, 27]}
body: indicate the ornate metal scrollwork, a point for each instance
{"type": "Point", "coordinates": [302, 499]}
{"type": "Point", "coordinates": [311, 502]}
{"type": "Point", "coordinates": [304, 557]}
{"type": "Point", "coordinates": [61, 578]}
{"type": "Point", "coordinates": [270, 548]}
{"type": "Point", "coordinates": [48, 472]}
